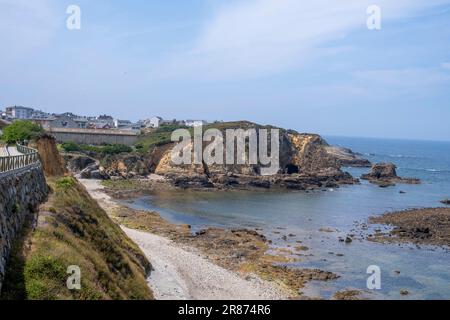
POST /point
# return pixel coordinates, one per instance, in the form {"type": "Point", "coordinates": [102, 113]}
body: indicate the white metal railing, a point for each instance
{"type": "Point", "coordinates": [26, 157]}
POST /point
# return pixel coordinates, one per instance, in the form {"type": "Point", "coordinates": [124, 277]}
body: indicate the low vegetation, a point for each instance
{"type": "Point", "coordinates": [20, 131]}
{"type": "Point", "coordinates": [110, 149]}
{"type": "Point", "coordinates": [162, 135]}
{"type": "Point", "coordinates": [74, 231]}
{"type": "Point", "coordinates": [156, 137]}
{"type": "Point", "coordinates": [124, 185]}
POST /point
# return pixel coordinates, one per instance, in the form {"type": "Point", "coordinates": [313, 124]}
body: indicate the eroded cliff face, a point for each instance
{"type": "Point", "coordinates": [299, 153]}
{"type": "Point", "coordinates": [304, 162]}
{"type": "Point", "coordinates": [52, 163]}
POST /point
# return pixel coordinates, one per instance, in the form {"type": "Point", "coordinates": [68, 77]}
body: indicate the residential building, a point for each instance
{"type": "Point", "coordinates": [122, 123]}
{"type": "Point", "coordinates": [38, 114]}
{"type": "Point", "coordinates": [106, 120]}
{"type": "Point", "coordinates": [60, 121]}
{"type": "Point", "coordinates": [99, 125]}
{"type": "Point", "coordinates": [126, 125]}
{"type": "Point", "coordinates": [19, 112]}
{"type": "Point", "coordinates": [45, 123]}
{"type": "Point", "coordinates": [63, 121]}
{"type": "Point", "coordinates": [82, 122]}
{"type": "Point", "coordinates": [154, 122]}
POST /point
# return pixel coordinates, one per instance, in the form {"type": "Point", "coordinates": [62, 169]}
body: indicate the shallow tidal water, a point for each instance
{"type": "Point", "coordinates": [423, 271]}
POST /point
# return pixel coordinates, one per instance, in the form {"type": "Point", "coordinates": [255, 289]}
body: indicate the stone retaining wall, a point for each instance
{"type": "Point", "coordinates": [21, 192]}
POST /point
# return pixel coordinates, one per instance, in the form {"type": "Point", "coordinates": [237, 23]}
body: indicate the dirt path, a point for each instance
{"type": "Point", "coordinates": [183, 273]}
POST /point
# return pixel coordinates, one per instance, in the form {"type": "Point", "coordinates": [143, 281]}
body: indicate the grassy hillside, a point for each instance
{"type": "Point", "coordinates": [73, 230]}
{"type": "Point", "coordinates": [156, 137]}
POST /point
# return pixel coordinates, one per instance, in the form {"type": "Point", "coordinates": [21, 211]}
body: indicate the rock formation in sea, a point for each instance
{"type": "Point", "coordinates": [385, 174]}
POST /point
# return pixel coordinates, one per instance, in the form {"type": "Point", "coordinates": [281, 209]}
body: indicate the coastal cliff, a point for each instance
{"type": "Point", "coordinates": [305, 161]}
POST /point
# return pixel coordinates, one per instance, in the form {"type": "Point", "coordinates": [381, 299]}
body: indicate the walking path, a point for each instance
{"type": "Point", "coordinates": [183, 273]}
{"type": "Point", "coordinates": [9, 151]}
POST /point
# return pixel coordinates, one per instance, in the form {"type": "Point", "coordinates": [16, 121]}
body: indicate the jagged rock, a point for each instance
{"type": "Point", "coordinates": [95, 174]}
{"type": "Point", "coordinates": [348, 158]}
{"type": "Point", "coordinates": [125, 165]}
{"type": "Point", "coordinates": [382, 171]}
{"type": "Point", "coordinates": [446, 202]}
{"type": "Point", "coordinates": [198, 181]}
{"type": "Point", "coordinates": [385, 175]}
{"type": "Point", "coordinates": [404, 292]}
{"type": "Point", "coordinates": [419, 226]}
{"type": "Point", "coordinates": [78, 162]}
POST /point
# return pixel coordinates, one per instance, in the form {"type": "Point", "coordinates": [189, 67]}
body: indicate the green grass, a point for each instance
{"type": "Point", "coordinates": [74, 230]}
{"type": "Point", "coordinates": [65, 183]}
{"type": "Point", "coordinates": [157, 137]}
{"type": "Point", "coordinates": [110, 149]}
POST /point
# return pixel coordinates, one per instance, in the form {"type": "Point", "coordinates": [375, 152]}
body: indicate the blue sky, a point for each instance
{"type": "Point", "coordinates": [311, 66]}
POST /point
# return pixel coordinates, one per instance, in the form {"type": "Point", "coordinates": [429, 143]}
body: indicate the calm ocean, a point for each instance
{"type": "Point", "coordinates": [424, 272]}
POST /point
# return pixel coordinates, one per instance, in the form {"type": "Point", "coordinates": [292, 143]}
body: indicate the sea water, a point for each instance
{"type": "Point", "coordinates": [423, 271]}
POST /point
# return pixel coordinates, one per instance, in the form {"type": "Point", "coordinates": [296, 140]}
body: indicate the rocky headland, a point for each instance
{"type": "Point", "coordinates": [347, 158]}
{"type": "Point", "coordinates": [307, 161]}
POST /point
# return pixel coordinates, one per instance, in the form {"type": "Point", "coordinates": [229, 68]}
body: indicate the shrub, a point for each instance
{"type": "Point", "coordinates": [116, 149]}
{"type": "Point", "coordinates": [43, 275]}
{"type": "Point", "coordinates": [21, 130]}
{"type": "Point", "coordinates": [70, 147]}
{"type": "Point", "coordinates": [65, 183]}
{"type": "Point", "coordinates": [16, 208]}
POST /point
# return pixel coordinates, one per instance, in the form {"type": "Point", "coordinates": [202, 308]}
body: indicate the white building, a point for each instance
{"type": "Point", "coordinates": [19, 112]}
{"type": "Point", "coordinates": [195, 123]}
{"type": "Point", "coordinates": [154, 122]}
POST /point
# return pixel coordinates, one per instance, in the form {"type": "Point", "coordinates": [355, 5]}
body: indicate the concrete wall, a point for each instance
{"type": "Point", "coordinates": [92, 138]}
{"type": "Point", "coordinates": [21, 192]}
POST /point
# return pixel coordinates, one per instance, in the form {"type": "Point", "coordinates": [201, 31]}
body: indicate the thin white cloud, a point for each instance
{"type": "Point", "coordinates": [259, 37]}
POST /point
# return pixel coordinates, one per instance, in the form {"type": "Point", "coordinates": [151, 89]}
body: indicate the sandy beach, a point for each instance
{"type": "Point", "coordinates": [182, 272]}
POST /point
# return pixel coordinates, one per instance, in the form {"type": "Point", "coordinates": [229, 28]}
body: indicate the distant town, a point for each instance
{"type": "Point", "coordinates": [98, 130]}
{"type": "Point", "coordinates": [68, 120]}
